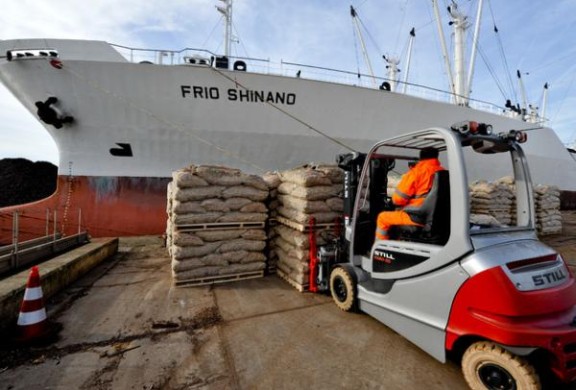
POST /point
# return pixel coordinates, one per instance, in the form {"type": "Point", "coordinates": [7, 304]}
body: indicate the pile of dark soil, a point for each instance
{"type": "Point", "coordinates": [23, 181]}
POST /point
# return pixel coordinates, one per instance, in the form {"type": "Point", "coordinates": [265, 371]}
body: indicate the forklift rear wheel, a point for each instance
{"type": "Point", "coordinates": [343, 289]}
{"type": "Point", "coordinates": [486, 365]}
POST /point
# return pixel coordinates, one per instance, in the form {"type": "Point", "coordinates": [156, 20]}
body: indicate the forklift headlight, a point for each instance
{"type": "Point", "coordinates": [518, 136]}
{"type": "Point", "coordinates": [472, 127]}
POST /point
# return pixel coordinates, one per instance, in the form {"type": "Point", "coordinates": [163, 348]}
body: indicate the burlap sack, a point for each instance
{"type": "Point", "coordinates": [191, 219]}
{"type": "Point", "coordinates": [185, 178]}
{"type": "Point", "coordinates": [303, 205]}
{"type": "Point", "coordinates": [198, 193]}
{"type": "Point", "coordinates": [305, 177]}
{"type": "Point", "coordinates": [303, 218]}
{"type": "Point", "coordinates": [191, 207]}
{"type": "Point", "coordinates": [308, 193]}
{"type": "Point", "coordinates": [245, 192]}
{"type": "Point", "coordinates": [186, 239]}
{"type": "Point", "coordinates": [179, 252]}
{"type": "Point", "coordinates": [241, 244]}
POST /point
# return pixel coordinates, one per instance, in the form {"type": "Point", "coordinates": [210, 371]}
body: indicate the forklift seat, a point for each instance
{"type": "Point", "coordinates": [435, 215]}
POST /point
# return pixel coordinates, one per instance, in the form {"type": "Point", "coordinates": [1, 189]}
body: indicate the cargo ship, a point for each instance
{"type": "Point", "coordinates": [124, 119]}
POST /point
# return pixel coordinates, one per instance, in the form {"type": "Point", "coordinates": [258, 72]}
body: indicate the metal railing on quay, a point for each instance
{"type": "Point", "coordinates": [35, 239]}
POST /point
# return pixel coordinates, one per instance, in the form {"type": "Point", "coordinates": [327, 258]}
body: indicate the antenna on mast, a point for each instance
{"type": "Point", "coordinates": [226, 10]}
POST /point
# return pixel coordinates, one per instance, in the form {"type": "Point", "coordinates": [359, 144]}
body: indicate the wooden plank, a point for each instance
{"type": "Point", "coordinates": [218, 279]}
{"type": "Point", "coordinates": [304, 227]}
{"type": "Point", "coordinates": [219, 226]}
{"type": "Point", "coordinates": [296, 285]}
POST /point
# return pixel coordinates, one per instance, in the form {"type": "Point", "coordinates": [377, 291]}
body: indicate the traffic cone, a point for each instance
{"type": "Point", "coordinates": [32, 320]}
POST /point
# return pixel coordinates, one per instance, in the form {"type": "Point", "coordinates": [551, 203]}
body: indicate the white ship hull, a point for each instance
{"type": "Point", "coordinates": [134, 120]}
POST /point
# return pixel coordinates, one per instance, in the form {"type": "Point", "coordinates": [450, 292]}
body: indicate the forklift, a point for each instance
{"type": "Point", "coordinates": [489, 294]}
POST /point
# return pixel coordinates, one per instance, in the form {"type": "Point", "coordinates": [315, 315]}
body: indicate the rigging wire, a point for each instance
{"type": "Point", "coordinates": [401, 24]}
{"type": "Point", "coordinates": [238, 40]}
{"type": "Point", "coordinates": [503, 55]}
{"type": "Point", "coordinates": [491, 71]}
{"type": "Point", "coordinates": [212, 32]}
{"type": "Point", "coordinates": [317, 131]}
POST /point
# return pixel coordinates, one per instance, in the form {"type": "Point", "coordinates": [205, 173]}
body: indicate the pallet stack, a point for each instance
{"type": "Point", "coordinates": [494, 203]}
{"type": "Point", "coordinates": [495, 199]}
{"type": "Point", "coordinates": [304, 193]}
{"type": "Point", "coordinates": [216, 225]}
{"type": "Point", "coordinates": [547, 205]}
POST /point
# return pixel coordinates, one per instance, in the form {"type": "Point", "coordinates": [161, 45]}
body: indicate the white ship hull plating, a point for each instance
{"type": "Point", "coordinates": [144, 120]}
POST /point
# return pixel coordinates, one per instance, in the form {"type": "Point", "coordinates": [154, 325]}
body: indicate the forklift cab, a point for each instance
{"type": "Point", "coordinates": [446, 232]}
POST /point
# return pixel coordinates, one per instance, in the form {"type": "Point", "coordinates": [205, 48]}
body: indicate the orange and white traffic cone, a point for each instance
{"type": "Point", "coordinates": [32, 320]}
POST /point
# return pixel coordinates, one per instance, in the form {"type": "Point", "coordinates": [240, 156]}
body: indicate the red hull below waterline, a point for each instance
{"type": "Point", "coordinates": [103, 206]}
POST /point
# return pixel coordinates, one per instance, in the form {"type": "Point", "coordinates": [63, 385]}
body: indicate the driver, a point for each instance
{"type": "Point", "coordinates": [410, 193]}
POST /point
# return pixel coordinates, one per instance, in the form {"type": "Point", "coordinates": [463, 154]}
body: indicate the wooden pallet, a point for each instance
{"type": "Point", "coordinates": [304, 227]}
{"type": "Point", "coordinates": [296, 285]}
{"type": "Point", "coordinates": [219, 279]}
{"type": "Point", "coordinates": [193, 227]}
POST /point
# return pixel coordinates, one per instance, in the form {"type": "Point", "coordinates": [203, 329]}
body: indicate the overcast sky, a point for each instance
{"type": "Point", "coordinates": [536, 38]}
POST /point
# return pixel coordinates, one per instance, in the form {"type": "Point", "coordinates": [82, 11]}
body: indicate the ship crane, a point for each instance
{"type": "Point", "coordinates": [393, 63]}
{"type": "Point", "coordinates": [529, 112]}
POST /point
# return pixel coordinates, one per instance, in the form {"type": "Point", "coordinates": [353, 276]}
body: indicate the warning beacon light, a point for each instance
{"type": "Point", "coordinates": [471, 127]}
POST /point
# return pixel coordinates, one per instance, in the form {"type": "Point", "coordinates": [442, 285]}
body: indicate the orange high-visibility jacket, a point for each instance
{"type": "Point", "coordinates": [416, 183]}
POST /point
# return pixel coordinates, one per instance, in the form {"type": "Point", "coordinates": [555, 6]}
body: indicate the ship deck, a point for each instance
{"type": "Point", "coordinates": [125, 325]}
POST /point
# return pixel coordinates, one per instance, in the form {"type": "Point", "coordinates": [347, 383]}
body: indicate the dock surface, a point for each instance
{"type": "Point", "coordinates": [126, 326]}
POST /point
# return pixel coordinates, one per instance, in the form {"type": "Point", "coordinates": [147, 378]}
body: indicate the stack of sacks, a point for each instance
{"type": "Point", "coordinates": [547, 205]}
{"type": "Point", "coordinates": [211, 194]}
{"type": "Point", "coordinates": [495, 199]}
{"type": "Point", "coordinates": [305, 192]}
{"type": "Point", "coordinates": [272, 179]}
{"type": "Point", "coordinates": [293, 250]}
{"type": "Point", "coordinates": [201, 198]}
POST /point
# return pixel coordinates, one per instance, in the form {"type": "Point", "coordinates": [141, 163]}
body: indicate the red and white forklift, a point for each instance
{"type": "Point", "coordinates": [486, 292]}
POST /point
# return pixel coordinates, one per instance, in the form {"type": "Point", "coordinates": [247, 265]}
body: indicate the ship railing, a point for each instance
{"type": "Point", "coordinates": [194, 56]}
{"type": "Point", "coordinates": [30, 246]}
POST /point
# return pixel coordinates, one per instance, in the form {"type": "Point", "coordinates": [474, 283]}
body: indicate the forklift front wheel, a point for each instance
{"type": "Point", "coordinates": [343, 289]}
{"type": "Point", "coordinates": [486, 365]}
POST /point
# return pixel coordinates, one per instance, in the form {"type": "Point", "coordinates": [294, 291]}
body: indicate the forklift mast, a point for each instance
{"type": "Point", "coordinates": [352, 164]}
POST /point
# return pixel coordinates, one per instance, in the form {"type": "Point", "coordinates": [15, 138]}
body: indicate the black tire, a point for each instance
{"type": "Point", "coordinates": [343, 289]}
{"type": "Point", "coordinates": [486, 365]}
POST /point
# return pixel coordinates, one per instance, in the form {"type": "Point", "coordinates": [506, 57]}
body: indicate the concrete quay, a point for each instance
{"type": "Point", "coordinates": [126, 326]}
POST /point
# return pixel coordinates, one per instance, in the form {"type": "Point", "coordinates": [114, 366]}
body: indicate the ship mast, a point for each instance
{"type": "Point", "coordinates": [409, 57]}
{"type": "Point", "coordinates": [460, 84]}
{"type": "Point", "coordinates": [226, 10]}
